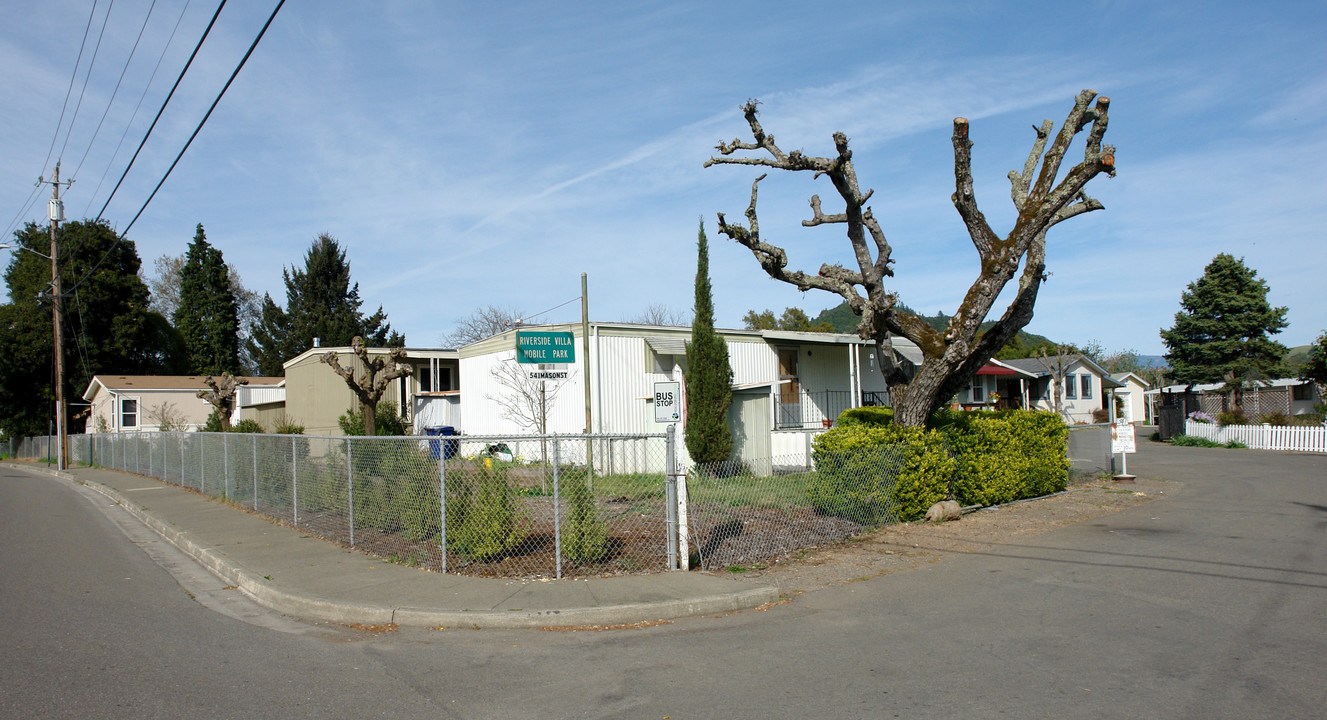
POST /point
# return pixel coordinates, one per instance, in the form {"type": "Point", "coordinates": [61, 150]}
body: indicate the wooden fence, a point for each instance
{"type": "Point", "coordinates": [1262, 437]}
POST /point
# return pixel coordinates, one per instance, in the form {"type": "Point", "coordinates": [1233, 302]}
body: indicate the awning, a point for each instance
{"type": "Point", "coordinates": [668, 344]}
{"type": "Point", "coordinates": [996, 370]}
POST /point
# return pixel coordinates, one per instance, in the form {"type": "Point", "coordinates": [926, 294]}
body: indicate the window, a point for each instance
{"type": "Point", "coordinates": [790, 390]}
{"type": "Point", "coordinates": [978, 390]}
{"type": "Point", "coordinates": [1071, 386]}
{"type": "Point", "coordinates": [426, 380]}
{"type": "Point", "coordinates": [1087, 386]}
{"type": "Point", "coordinates": [1302, 393]}
{"type": "Point", "coordinates": [663, 363]}
{"type": "Point", "coordinates": [128, 412]}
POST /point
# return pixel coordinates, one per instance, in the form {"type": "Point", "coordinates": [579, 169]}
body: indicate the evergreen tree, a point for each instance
{"type": "Point", "coordinates": [1221, 331]}
{"type": "Point", "coordinates": [709, 377]}
{"type": "Point", "coordinates": [321, 303]}
{"type": "Point", "coordinates": [208, 313]}
{"type": "Point", "coordinates": [107, 326]}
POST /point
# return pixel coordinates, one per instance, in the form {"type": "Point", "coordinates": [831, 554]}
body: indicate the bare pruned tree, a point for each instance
{"type": "Point", "coordinates": [528, 401]}
{"type": "Point", "coordinates": [166, 416]}
{"type": "Point", "coordinates": [1058, 367]}
{"type": "Point", "coordinates": [951, 356]}
{"type": "Point", "coordinates": [483, 323]}
{"type": "Point", "coordinates": [222, 396]}
{"type": "Point", "coordinates": [663, 315]}
{"type": "Point", "coordinates": [378, 372]}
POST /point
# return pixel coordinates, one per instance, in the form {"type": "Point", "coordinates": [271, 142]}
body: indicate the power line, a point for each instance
{"type": "Point", "coordinates": [72, 77]}
{"type": "Point", "coordinates": [164, 103]}
{"type": "Point", "coordinates": [70, 130]}
{"type": "Point", "coordinates": [93, 196]}
{"type": "Point", "coordinates": [116, 91]}
{"type": "Point", "coordinates": [203, 122]}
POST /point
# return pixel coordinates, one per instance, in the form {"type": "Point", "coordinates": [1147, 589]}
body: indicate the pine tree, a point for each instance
{"type": "Point", "coordinates": [208, 314]}
{"type": "Point", "coordinates": [1222, 329]}
{"type": "Point", "coordinates": [708, 376]}
{"type": "Point", "coordinates": [321, 303]}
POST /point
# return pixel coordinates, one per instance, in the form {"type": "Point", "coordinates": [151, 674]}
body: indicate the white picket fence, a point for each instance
{"type": "Point", "coordinates": [1262, 437]}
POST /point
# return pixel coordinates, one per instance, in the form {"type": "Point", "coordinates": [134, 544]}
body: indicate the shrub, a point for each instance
{"type": "Point", "coordinates": [213, 423]}
{"type": "Point", "coordinates": [1191, 441]}
{"type": "Point", "coordinates": [869, 415]}
{"type": "Point", "coordinates": [1100, 415]}
{"type": "Point", "coordinates": [1232, 417]}
{"type": "Point", "coordinates": [387, 421]}
{"type": "Point", "coordinates": [1008, 455]}
{"type": "Point", "coordinates": [286, 426]}
{"type": "Point", "coordinates": [584, 536]}
{"type": "Point", "coordinates": [876, 473]}
{"type": "Point", "coordinates": [1278, 419]}
{"type": "Point", "coordinates": [1200, 416]}
{"type": "Point", "coordinates": [490, 524]}
{"type": "Point", "coordinates": [247, 425]}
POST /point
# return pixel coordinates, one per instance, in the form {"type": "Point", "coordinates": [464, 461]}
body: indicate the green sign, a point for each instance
{"type": "Point", "coordinates": [545, 347]}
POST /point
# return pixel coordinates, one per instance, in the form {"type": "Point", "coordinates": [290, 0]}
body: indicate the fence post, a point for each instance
{"type": "Point", "coordinates": [350, 490]}
{"type": "Point", "coordinates": [442, 501]}
{"type": "Point", "coordinates": [670, 496]}
{"type": "Point", "coordinates": [202, 463]}
{"type": "Point", "coordinates": [255, 472]}
{"type": "Point", "coordinates": [294, 477]}
{"type": "Point", "coordinates": [557, 511]}
{"type": "Point", "coordinates": [225, 465]}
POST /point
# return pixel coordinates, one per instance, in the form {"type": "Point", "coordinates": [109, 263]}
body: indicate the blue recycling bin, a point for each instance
{"type": "Point", "coordinates": [447, 448]}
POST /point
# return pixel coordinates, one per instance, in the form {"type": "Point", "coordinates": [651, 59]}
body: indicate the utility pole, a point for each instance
{"type": "Point", "coordinates": [56, 213]}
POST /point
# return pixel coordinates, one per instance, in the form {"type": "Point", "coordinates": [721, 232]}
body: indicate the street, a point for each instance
{"type": "Point", "coordinates": [1206, 603]}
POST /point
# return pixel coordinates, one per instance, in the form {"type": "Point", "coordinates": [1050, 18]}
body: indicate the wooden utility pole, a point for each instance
{"type": "Point", "coordinates": [56, 214]}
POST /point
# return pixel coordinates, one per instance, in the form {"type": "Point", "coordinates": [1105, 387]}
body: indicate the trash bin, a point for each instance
{"type": "Point", "coordinates": [447, 448]}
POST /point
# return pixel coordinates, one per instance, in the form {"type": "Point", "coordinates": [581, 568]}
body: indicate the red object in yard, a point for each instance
{"type": "Point", "coordinates": [827, 422]}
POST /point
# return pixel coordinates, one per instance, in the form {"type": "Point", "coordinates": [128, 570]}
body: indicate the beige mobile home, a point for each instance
{"type": "Point", "coordinates": [316, 396]}
{"type": "Point", "coordinates": [145, 403]}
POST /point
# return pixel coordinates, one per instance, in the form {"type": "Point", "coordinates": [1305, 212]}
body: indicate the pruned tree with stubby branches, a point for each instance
{"type": "Point", "coordinates": [378, 373]}
{"type": "Point", "coordinates": [1042, 195]}
{"type": "Point", "coordinates": [221, 396]}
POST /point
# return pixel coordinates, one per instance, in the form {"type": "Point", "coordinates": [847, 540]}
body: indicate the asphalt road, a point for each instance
{"type": "Point", "coordinates": [1208, 603]}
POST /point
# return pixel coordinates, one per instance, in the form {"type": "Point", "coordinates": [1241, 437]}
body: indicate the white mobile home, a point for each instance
{"type": "Point", "coordinates": [785, 384]}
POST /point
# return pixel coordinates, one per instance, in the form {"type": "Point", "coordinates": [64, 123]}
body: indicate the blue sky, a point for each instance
{"type": "Point", "coordinates": [468, 155]}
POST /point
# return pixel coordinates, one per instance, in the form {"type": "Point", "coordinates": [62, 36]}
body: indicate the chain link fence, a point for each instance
{"type": "Point", "coordinates": [490, 506]}
{"type": "Point", "coordinates": [744, 514]}
{"type": "Point", "coordinates": [561, 506]}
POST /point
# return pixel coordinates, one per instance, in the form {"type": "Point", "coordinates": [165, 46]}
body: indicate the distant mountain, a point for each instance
{"type": "Point", "coordinates": [844, 320]}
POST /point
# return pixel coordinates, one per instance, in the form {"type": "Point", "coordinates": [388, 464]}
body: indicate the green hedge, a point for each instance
{"type": "Point", "coordinates": [871, 471]}
{"type": "Point", "coordinates": [1008, 455]}
{"type": "Point", "coordinates": [878, 473]}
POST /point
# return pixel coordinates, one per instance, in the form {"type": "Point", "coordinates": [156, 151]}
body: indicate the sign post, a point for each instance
{"type": "Point", "coordinates": [668, 409]}
{"type": "Point", "coordinates": [1122, 442]}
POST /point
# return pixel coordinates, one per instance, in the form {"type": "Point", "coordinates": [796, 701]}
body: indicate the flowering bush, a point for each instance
{"type": "Point", "coordinates": [1202, 417]}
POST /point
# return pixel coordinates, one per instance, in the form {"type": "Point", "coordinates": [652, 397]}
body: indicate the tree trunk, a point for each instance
{"type": "Point", "coordinates": [370, 413]}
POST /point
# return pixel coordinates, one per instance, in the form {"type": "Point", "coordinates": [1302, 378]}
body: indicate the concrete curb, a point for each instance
{"type": "Point", "coordinates": [256, 587]}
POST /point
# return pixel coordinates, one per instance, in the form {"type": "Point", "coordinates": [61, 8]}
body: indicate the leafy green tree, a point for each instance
{"type": "Point", "coordinates": [709, 377]}
{"type": "Point", "coordinates": [107, 325]}
{"type": "Point", "coordinates": [208, 313]}
{"type": "Point", "coordinates": [321, 303]}
{"type": "Point", "coordinates": [794, 319]}
{"type": "Point", "coordinates": [1222, 329]}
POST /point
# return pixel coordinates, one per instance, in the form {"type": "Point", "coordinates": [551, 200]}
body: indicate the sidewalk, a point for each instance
{"type": "Point", "coordinates": [287, 571]}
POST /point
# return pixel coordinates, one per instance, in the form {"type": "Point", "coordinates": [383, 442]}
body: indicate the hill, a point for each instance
{"type": "Point", "coordinates": [842, 318]}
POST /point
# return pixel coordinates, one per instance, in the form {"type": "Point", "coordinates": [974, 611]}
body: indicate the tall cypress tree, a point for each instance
{"type": "Point", "coordinates": [708, 375]}
{"type": "Point", "coordinates": [208, 314]}
{"type": "Point", "coordinates": [321, 303]}
{"type": "Point", "coordinates": [1223, 325]}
